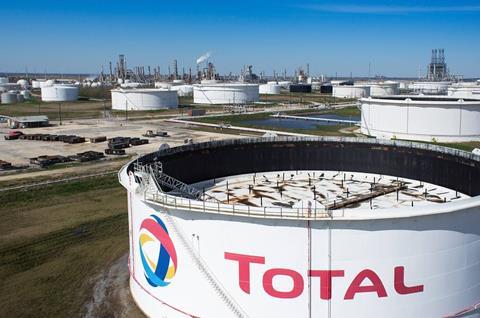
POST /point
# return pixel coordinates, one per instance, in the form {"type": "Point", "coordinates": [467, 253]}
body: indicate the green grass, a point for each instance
{"type": "Point", "coordinates": [54, 240]}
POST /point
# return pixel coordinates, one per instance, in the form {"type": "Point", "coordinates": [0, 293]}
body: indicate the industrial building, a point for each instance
{"type": "Point", "coordinates": [144, 99]}
{"type": "Point", "coordinates": [425, 118]}
{"type": "Point", "coordinates": [304, 227]}
{"type": "Point", "coordinates": [59, 93]}
{"type": "Point", "coordinates": [27, 122]}
{"type": "Point", "coordinates": [212, 92]}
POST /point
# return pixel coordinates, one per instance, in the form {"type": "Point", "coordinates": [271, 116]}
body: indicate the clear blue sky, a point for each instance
{"type": "Point", "coordinates": [333, 36]}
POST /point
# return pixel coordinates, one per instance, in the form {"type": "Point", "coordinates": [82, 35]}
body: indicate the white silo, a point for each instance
{"type": "Point", "coordinates": [143, 99]}
{"type": "Point", "coordinates": [269, 89]}
{"type": "Point", "coordinates": [59, 93]}
{"type": "Point", "coordinates": [9, 98]}
{"type": "Point", "coordinates": [23, 84]}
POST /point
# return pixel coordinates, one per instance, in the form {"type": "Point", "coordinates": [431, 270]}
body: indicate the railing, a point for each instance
{"type": "Point", "coordinates": [307, 213]}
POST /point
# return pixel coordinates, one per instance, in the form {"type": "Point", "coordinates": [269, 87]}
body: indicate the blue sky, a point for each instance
{"type": "Point", "coordinates": [342, 37]}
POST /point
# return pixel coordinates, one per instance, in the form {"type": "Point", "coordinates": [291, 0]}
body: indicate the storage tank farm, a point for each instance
{"type": "Point", "coordinates": [305, 227]}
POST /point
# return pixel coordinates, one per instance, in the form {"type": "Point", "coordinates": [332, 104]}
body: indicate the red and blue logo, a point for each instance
{"type": "Point", "coordinates": [158, 254]}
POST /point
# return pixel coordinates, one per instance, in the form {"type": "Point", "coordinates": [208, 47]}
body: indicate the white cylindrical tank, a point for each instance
{"type": "Point", "coordinates": [269, 89]}
{"type": "Point", "coordinates": [183, 90]}
{"type": "Point", "coordinates": [3, 80]}
{"type": "Point", "coordinates": [20, 98]}
{"type": "Point", "coordinates": [38, 83]}
{"type": "Point", "coordinates": [465, 90]}
{"type": "Point", "coordinates": [432, 88]}
{"type": "Point", "coordinates": [238, 257]}
{"type": "Point", "coordinates": [143, 99]}
{"type": "Point", "coordinates": [26, 94]}
{"type": "Point", "coordinates": [23, 84]}
{"type": "Point", "coordinates": [425, 118]}
{"type": "Point", "coordinates": [383, 88]}
{"type": "Point", "coordinates": [351, 91]}
{"type": "Point", "coordinates": [59, 93]}
{"type": "Point", "coordinates": [225, 93]}
{"type": "Point", "coordinates": [9, 98]}
{"type": "Point", "coordinates": [164, 85]}
{"type": "Point", "coordinates": [284, 84]}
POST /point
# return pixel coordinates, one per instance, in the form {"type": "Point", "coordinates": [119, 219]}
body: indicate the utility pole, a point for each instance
{"type": "Point", "coordinates": [60, 112]}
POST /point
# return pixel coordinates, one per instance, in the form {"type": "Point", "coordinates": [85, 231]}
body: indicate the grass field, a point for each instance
{"type": "Point", "coordinates": [53, 240]}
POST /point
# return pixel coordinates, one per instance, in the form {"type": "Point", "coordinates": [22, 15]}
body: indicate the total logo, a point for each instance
{"type": "Point", "coordinates": [158, 254]}
{"type": "Point", "coordinates": [366, 281]}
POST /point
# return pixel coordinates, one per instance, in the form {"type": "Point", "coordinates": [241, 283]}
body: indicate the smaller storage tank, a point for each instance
{"type": "Point", "coordinates": [300, 88]}
{"type": "Point", "coordinates": [225, 93]}
{"type": "Point", "coordinates": [144, 99]}
{"type": "Point", "coordinates": [20, 98]}
{"type": "Point", "coordinates": [465, 90]}
{"type": "Point", "coordinates": [431, 88]}
{"type": "Point", "coordinates": [26, 94]}
{"type": "Point", "coordinates": [59, 93]}
{"type": "Point", "coordinates": [269, 89]}
{"type": "Point", "coordinates": [3, 80]}
{"type": "Point", "coordinates": [183, 90]}
{"type": "Point", "coordinates": [9, 98]}
{"type": "Point", "coordinates": [23, 84]}
{"type": "Point", "coordinates": [351, 91]}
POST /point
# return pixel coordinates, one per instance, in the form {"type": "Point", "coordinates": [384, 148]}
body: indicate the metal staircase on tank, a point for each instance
{"type": "Point", "coordinates": [148, 176]}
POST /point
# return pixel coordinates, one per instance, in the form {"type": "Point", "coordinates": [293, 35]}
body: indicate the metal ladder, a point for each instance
{"type": "Point", "coordinates": [149, 184]}
{"type": "Point", "coordinates": [204, 269]}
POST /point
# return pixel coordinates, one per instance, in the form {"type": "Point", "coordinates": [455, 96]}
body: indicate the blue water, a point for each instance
{"type": "Point", "coordinates": [300, 124]}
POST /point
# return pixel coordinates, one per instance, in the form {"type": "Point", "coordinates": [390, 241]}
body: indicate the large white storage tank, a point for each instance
{"type": "Point", "coordinates": [59, 93]}
{"type": "Point", "coordinates": [465, 90]}
{"type": "Point", "coordinates": [425, 118]}
{"type": "Point", "coordinates": [183, 90]}
{"type": "Point", "coordinates": [383, 88]}
{"type": "Point", "coordinates": [144, 99]}
{"type": "Point", "coordinates": [351, 91]}
{"type": "Point", "coordinates": [269, 89]}
{"type": "Point", "coordinates": [431, 88]}
{"type": "Point", "coordinates": [225, 93]}
{"type": "Point", "coordinates": [355, 248]}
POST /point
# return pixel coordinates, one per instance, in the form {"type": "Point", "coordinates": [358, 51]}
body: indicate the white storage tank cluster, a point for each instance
{"type": "Point", "coordinates": [59, 93]}
{"type": "Point", "coordinates": [225, 93]}
{"type": "Point", "coordinates": [144, 99]}
{"type": "Point", "coordinates": [325, 243]}
{"type": "Point", "coordinates": [351, 91]}
{"type": "Point", "coordinates": [431, 88]}
{"type": "Point", "coordinates": [271, 88]}
{"type": "Point", "coordinates": [465, 90]}
{"type": "Point", "coordinates": [425, 118]}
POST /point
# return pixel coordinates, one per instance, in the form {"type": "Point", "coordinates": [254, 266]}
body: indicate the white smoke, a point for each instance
{"type": "Point", "coordinates": [203, 58]}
